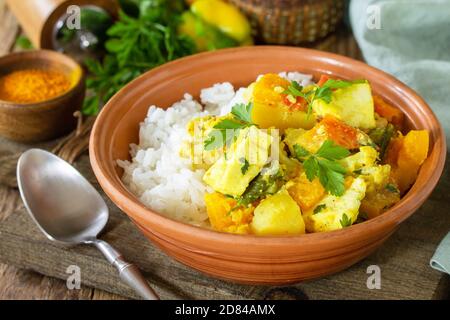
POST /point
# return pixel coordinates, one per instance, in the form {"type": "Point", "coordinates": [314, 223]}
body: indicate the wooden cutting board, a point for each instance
{"type": "Point", "coordinates": [403, 260]}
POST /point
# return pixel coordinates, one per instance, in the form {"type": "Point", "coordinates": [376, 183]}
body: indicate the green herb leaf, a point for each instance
{"type": "Point", "coordinates": [136, 44]}
{"type": "Point", "coordinates": [245, 165]}
{"type": "Point", "coordinates": [243, 112]}
{"type": "Point", "coordinates": [345, 221]}
{"type": "Point", "coordinates": [392, 188]}
{"type": "Point", "coordinates": [24, 43]}
{"type": "Point", "coordinates": [358, 171]}
{"type": "Point", "coordinates": [230, 128]}
{"type": "Point", "coordinates": [300, 152]}
{"type": "Point", "coordinates": [311, 167]}
{"type": "Point", "coordinates": [294, 89]}
{"type": "Point", "coordinates": [382, 137]}
{"type": "Point", "coordinates": [324, 165]}
{"type": "Point", "coordinates": [229, 124]}
{"type": "Point", "coordinates": [331, 151]}
{"type": "Point", "coordinates": [319, 208]}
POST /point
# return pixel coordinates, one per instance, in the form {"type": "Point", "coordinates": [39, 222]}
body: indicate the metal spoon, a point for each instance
{"type": "Point", "coordinates": [68, 210]}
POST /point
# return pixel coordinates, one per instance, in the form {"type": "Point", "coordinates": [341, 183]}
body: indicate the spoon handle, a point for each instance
{"type": "Point", "coordinates": [128, 272]}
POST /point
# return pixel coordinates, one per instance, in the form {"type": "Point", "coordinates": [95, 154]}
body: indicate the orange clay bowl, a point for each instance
{"type": "Point", "coordinates": [248, 258]}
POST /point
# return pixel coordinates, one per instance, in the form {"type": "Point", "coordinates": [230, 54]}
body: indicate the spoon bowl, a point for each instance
{"type": "Point", "coordinates": [68, 209]}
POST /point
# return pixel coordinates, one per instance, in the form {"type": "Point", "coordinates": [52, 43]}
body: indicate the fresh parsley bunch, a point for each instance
{"type": "Point", "coordinates": [135, 45]}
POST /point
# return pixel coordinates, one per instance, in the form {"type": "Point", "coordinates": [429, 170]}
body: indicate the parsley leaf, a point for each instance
{"type": "Point", "coordinates": [294, 89]}
{"type": "Point", "coordinates": [243, 112]}
{"type": "Point", "coordinates": [331, 151]}
{"type": "Point", "coordinates": [245, 165]}
{"type": "Point", "coordinates": [300, 152]}
{"type": "Point", "coordinates": [219, 137]}
{"type": "Point", "coordinates": [345, 221]}
{"type": "Point", "coordinates": [227, 130]}
{"type": "Point", "coordinates": [323, 164]}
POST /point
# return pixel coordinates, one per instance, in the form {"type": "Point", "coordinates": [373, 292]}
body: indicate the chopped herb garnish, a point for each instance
{"type": "Point", "coordinates": [392, 188]}
{"type": "Point", "coordinates": [318, 93]}
{"type": "Point", "coordinates": [245, 165]}
{"type": "Point", "coordinates": [319, 208]}
{"type": "Point", "coordinates": [300, 152]}
{"type": "Point", "coordinates": [227, 130]}
{"type": "Point", "coordinates": [323, 164]}
{"type": "Point", "coordinates": [382, 137]}
{"type": "Point", "coordinates": [345, 221]}
{"type": "Point", "coordinates": [243, 112]}
{"type": "Point", "coordinates": [262, 185]}
{"type": "Point", "coordinates": [358, 171]}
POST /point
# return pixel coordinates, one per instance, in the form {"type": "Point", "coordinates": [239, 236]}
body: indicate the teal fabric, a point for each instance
{"type": "Point", "coordinates": [441, 258]}
{"type": "Point", "coordinates": [413, 44]}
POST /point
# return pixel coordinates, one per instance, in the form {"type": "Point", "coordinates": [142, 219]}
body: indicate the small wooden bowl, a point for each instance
{"type": "Point", "coordinates": [34, 122]}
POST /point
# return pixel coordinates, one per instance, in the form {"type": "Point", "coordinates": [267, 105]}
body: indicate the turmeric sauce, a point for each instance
{"type": "Point", "coordinates": [33, 85]}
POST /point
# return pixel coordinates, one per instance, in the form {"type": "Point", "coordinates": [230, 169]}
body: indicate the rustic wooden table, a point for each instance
{"type": "Point", "coordinates": [407, 274]}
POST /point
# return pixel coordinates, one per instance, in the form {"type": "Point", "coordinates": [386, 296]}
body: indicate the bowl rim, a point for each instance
{"type": "Point", "coordinates": [49, 55]}
{"type": "Point", "coordinates": [127, 202]}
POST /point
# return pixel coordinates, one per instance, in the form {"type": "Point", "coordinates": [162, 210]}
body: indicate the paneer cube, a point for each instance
{"type": "Point", "coordinates": [366, 157]}
{"type": "Point", "coordinates": [232, 173]}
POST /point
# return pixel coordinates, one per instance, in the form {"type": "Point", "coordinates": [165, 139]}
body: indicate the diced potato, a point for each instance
{"type": "Point", "coordinates": [306, 193]}
{"type": "Point", "coordinates": [353, 105]}
{"type": "Point", "coordinates": [366, 157]}
{"type": "Point", "coordinates": [333, 213]}
{"type": "Point", "coordinates": [278, 215]}
{"type": "Point", "coordinates": [269, 110]}
{"type": "Point", "coordinates": [225, 217]}
{"type": "Point", "coordinates": [231, 174]}
{"type": "Point", "coordinates": [406, 155]}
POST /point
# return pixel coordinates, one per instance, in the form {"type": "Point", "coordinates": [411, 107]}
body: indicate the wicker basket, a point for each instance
{"type": "Point", "coordinates": [292, 22]}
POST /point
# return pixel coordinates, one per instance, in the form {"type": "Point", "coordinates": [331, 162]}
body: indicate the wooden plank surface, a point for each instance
{"type": "Point", "coordinates": [403, 259]}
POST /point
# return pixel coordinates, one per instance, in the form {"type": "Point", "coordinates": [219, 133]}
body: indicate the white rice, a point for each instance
{"type": "Point", "coordinates": [163, 180]}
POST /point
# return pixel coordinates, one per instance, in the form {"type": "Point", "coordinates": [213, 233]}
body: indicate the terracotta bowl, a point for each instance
{"type": "Point", "coordinates": [247, 258]}
{"type": "Point", "coordinates": [33, 122]}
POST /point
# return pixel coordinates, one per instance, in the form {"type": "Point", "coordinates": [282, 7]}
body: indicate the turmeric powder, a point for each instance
{"type": "Point", "coordinates": [32, 85]}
